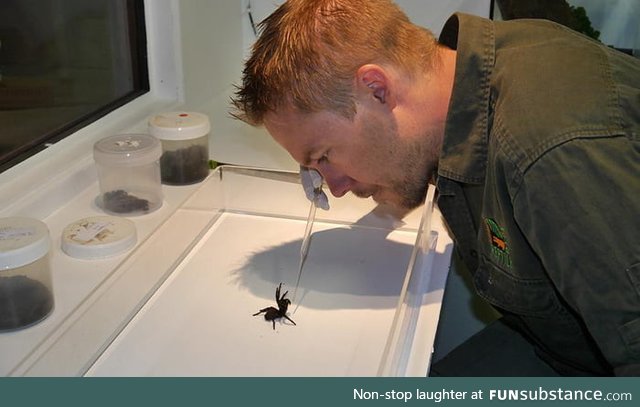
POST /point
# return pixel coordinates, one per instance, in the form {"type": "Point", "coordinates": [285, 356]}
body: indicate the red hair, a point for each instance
{"type": "Point", "coordinates": [309, 51]}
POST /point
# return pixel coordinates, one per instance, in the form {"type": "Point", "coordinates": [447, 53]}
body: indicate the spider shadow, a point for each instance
{"type": "Point", "coordinates": [347, 267]}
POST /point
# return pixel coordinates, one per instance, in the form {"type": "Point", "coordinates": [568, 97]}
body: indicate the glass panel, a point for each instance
{"type": "Point", "coordinates": [63, 64]}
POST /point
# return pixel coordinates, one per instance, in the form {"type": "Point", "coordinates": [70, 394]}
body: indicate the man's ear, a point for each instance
{"type": "Point", "coordinates": [373, 80]}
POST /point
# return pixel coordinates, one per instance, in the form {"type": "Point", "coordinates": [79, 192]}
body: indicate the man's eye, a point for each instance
{"type": "Point", "coordinates": [324, 158]}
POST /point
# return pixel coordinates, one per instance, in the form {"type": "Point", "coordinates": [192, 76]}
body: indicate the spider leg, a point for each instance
{"type": "Point", "coordinates": [278, 292]}
{"type": "Point", "coordinates": [289, 319]}
{"type": "Point", "coordinates": [261, 311]}
{"type": "Point", "coordinates": [274, 324]}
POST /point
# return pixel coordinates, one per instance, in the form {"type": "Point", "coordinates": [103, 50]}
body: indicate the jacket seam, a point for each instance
{"type": "Point", "coordinates": [528, 159]}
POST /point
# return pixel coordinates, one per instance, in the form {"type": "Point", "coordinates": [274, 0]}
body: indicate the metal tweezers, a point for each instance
{"type": "Point", "coordinates": [306, 241]}
{"type": "Point", "coordinates": [285, 177]}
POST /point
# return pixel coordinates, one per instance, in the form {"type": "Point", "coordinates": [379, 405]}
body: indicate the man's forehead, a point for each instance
{"type": "Point", "coordinates": [290, 125]}
{"type": "Point", "coordinates": [284, 122]}
{"type": "Point", "coordinates": [286, 114]}
{"type": "Point", "coordinates": [293, 133]}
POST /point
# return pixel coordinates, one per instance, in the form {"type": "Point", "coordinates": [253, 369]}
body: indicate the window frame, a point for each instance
{"type": "Point", "coordinates": [140, 83]}
{"type": "Point", "coordinates": [35, 185]}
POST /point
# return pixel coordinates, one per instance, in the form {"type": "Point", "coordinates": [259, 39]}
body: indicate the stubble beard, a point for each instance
{"type": "Point", "coordinates": [414, 159]}
{"type": "Point", "coordinates": [417, 171]}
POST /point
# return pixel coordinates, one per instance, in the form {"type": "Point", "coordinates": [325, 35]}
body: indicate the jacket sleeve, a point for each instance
{"type": "Point", "coordinates": [579, 206]}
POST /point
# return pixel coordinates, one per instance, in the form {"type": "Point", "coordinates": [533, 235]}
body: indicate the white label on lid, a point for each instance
{"type": "Point", "coordinates": [128, 143]}
{"type": "Point", "coordinates": [90, 231]}
{"type": "Point", "coordinates": [15, 233]}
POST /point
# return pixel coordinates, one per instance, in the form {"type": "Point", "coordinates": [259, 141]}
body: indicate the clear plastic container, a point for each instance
{"type": "Point", "coordinates": [185, 146]}
{"type": "Point", "coordinates": [129, 174]}
{"type": "Point", "coordinates": [26, 295]}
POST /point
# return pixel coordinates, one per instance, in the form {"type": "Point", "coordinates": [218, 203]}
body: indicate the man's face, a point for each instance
{"type": "Point", "coordinates": [368, 155]}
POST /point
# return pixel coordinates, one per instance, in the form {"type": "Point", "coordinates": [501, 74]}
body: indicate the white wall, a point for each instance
{"type": "Point", "coordinates": [212, 58]}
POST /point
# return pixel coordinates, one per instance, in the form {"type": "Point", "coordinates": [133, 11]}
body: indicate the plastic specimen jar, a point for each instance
{"type": "Point", "coordinates": [26, 295]}
{"type": "Point", "coordinates": [128, 174]}
{"type": "Point", "coordinates": [185, 146]}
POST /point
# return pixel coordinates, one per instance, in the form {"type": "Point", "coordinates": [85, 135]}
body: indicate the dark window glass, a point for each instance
{"type": "Point", "coordinates": [64, 64]}
{"type": "Point", "coordinates": [612, 22]}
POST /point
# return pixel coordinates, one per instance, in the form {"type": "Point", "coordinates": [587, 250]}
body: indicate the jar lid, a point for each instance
{"type": "Point", "coordinates": [127, 150]}
{"type": "Point", "coordinates": [22, 241]}
{"type": "Point", "coordinates": [179, 125]}
{"type": "Point", "coordinates": [98, 237]}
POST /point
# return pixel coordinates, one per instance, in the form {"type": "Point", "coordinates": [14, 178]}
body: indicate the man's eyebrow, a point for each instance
{"type": "Point", "coordinates": [306, 158]}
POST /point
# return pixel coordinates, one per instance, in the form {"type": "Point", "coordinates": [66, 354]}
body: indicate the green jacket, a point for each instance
{"type": "Point", "coordinates": [539, 182]}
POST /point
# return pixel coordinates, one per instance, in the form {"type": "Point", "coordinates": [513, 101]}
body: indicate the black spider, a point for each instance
{"type": "Point", "coordinates": [271, 313]}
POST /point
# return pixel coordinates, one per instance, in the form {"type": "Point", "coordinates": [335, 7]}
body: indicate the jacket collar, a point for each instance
{"type": "Point", "coordinates": [464, 151]}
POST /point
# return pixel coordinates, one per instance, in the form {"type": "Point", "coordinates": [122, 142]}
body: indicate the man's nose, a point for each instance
{"type": "Point", "coordinates": [339, 184]}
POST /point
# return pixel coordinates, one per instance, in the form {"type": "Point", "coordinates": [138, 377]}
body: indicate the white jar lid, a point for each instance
{"type": "Point", "coordinates": [22, 241]}
{"type": "Point", "coordinates": [127, 149]}
{"type": "Point", "coordinates": [179, 125]}
{"type": "Point", "coordinates": [98, 237]}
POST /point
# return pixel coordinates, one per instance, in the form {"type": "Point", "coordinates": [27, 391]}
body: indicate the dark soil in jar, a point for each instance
{"type": "Point", "coordinates": [184, 166]}
{"type": "Point", "coordinates": [120, 201]}
{"type": "Point", "coordinates": [23, 301]}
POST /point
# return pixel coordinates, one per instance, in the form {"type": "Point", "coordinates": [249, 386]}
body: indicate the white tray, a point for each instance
{"type": "Point", "coordinates": [182, 304]}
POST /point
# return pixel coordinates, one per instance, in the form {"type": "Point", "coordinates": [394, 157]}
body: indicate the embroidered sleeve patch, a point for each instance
{"type": "Point", "coordinates": [500, 251]}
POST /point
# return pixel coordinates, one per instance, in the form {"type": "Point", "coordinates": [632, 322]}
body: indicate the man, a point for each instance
{"type": "Point", "coordinates": [531, 134]}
